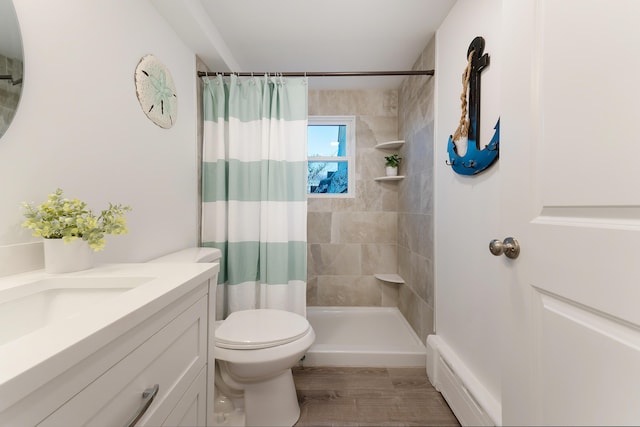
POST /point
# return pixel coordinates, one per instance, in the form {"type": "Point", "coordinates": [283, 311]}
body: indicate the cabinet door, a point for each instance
{"type": "Point", "coordinates": [191, 410]}
{"type": "Point", "coordinates": [172, 358]}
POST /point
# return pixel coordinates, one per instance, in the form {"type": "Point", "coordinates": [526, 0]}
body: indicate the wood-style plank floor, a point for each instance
{"type": "Point", "coordinates": [369, 397]}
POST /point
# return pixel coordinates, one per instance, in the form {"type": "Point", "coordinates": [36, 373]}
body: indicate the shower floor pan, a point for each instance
{"type": "Point", "coordinates": [363, 336]}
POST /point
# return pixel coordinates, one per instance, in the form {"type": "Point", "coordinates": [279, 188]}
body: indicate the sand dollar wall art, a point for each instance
{"type": "Point", "coordinates": [156, 91]}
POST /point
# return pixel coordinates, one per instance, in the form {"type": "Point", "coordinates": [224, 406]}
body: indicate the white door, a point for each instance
{"type": "Point", "coordinates": [570, 160]}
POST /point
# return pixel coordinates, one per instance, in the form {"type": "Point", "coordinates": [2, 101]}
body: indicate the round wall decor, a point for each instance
{"type": "Point", "coordinates": [156, 91]}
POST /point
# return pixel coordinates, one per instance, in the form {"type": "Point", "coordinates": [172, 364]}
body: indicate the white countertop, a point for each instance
{"type": "Point", "coordinates": [30, 361]}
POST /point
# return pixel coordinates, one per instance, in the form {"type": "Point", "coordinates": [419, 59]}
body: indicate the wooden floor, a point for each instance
{"type": "Point", "coordinates": [369, 397]}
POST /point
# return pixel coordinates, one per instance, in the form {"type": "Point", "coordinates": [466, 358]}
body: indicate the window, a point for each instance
{"type": "Point", "coordinates": [330, 154]}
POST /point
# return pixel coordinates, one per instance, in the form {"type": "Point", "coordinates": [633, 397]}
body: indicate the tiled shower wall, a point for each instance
{"type": "Point", "coordinates": [415, 198]}
{"type": "Point", "coordinates": [388, 226]}
{"type": "Point", "coordinates": [350, 239]}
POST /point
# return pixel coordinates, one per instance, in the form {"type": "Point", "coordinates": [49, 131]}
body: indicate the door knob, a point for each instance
{"type": "Point", "coordinates": [509, 247]}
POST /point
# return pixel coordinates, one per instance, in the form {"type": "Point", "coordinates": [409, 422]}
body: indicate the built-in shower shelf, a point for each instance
{"type": "Point", "coordinates": [391, 145]}
{"type": "Point", "coordinates": [390, 178]}
{"type": "Point", "coordinates": [391, 278]}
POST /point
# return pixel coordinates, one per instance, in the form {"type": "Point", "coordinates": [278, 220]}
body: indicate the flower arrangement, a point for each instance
{"type": "Point", "coordinates": [393, 161]}
{"type": "Point", "coordinates": [62, 218]}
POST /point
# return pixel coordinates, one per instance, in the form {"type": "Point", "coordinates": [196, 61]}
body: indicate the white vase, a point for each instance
{"type": "Point", "coordinates": [61, 257]}
{"type": "Point", "coordinates": [392, 171]}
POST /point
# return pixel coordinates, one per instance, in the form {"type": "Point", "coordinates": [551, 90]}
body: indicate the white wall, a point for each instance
{"type": "Point", "coordinates": [467, 208]}
{"type": "Point", "coordinates": [79, 125]}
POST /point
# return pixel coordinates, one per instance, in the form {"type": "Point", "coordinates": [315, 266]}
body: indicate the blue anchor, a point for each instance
{"type": "Point", "coordinates": [475, 160]}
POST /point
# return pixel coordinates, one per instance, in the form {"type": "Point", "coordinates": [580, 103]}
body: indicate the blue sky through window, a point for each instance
{"type": "Point", "coordinates": [322, 140]}
{"type": "Point", "coordinates": [327, 176]}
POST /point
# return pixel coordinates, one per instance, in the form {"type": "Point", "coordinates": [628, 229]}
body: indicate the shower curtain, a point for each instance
{"type": "Point", "coordinates": [254, 190]}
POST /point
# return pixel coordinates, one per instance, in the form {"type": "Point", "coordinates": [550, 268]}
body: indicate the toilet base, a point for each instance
{"type": "Point", "coordinates": [232, 419]}
{"type": "Point", "coordinates": [272, 402]}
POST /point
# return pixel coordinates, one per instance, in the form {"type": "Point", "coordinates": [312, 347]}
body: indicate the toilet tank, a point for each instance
{"type": "Point", "coordinates": [191, 255]}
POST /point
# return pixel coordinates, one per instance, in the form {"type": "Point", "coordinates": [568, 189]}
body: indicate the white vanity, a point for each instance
{"type": "Point", "coordinates": [99, 346]}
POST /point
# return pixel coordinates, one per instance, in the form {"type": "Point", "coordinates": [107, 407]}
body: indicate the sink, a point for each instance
{"type": "Point", "coordinates": [34, 305]}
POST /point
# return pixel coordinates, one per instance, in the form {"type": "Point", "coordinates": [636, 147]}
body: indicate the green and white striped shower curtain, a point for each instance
{"type": "Point", "coordinates": [254, 190]}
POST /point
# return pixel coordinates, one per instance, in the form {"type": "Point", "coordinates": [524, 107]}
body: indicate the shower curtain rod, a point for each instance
{"type": "Point", "coordinates": [322, 74]}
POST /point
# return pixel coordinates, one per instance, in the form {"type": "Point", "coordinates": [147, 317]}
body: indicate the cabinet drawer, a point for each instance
{"type": "Point", "coordinates": [171, 358]}
{"type": "Point", "coordinates": [191, 410]}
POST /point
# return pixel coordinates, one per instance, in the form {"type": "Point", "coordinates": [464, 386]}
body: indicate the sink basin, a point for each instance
{"type": "Point", "coordinates": [34, 305]}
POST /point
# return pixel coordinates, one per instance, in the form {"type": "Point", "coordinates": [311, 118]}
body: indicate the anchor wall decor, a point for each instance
{"type": "Point", "coordinates": [475, 160]}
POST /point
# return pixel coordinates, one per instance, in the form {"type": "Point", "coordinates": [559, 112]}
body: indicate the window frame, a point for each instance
{"type": "Point", "coordinates": [349, 158]}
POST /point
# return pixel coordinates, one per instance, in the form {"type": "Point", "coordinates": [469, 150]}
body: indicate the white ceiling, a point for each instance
{"type": "Point", "coordinates": [308, 35]}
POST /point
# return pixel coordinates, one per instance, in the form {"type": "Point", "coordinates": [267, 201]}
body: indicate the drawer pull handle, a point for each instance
{"type": "Point", "coordinates": [147, 397]}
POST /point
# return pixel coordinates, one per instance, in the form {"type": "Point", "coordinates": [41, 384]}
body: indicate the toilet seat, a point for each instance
{"type": "Point", "coordinates": [260, 328]}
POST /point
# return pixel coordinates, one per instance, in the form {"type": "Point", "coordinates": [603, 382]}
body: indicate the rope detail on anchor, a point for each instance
{"type": "Point", "coordinates": [463, 126]}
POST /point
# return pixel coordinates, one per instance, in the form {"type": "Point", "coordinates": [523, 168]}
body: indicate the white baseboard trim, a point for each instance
{"type": "Point", "coordinates": [469, 400]}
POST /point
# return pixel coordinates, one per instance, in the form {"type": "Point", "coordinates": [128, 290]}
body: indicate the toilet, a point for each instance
{"type": "Point", "coordinates": [254, 351]}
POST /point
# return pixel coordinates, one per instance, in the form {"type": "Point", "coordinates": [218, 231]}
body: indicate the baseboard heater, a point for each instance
{"type": "Point", "coordinates": [469, 400]}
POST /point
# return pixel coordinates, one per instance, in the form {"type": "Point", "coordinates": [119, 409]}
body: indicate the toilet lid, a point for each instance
{"type": "Point", "coordinates": [261, 328]}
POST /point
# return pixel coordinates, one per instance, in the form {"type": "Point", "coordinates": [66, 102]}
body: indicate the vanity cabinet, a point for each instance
{"type": "Point", "coordinates": [168, 349]}
{"type": "Point", "coordinates": [172, 358]}
{"type": "Point", "coordinates": [191, 408]}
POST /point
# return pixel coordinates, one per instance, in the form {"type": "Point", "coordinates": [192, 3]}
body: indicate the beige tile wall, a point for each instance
{"type": "Point", "coordinates": [388, 227]}
{"type": "Point", "coordinates": [415, 197]}
{"type": "Point", "coordinates": [351, 239]}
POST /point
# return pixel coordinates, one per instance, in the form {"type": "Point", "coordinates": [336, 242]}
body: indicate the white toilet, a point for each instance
{"type": "Point", "coordinates": [255, 351]}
